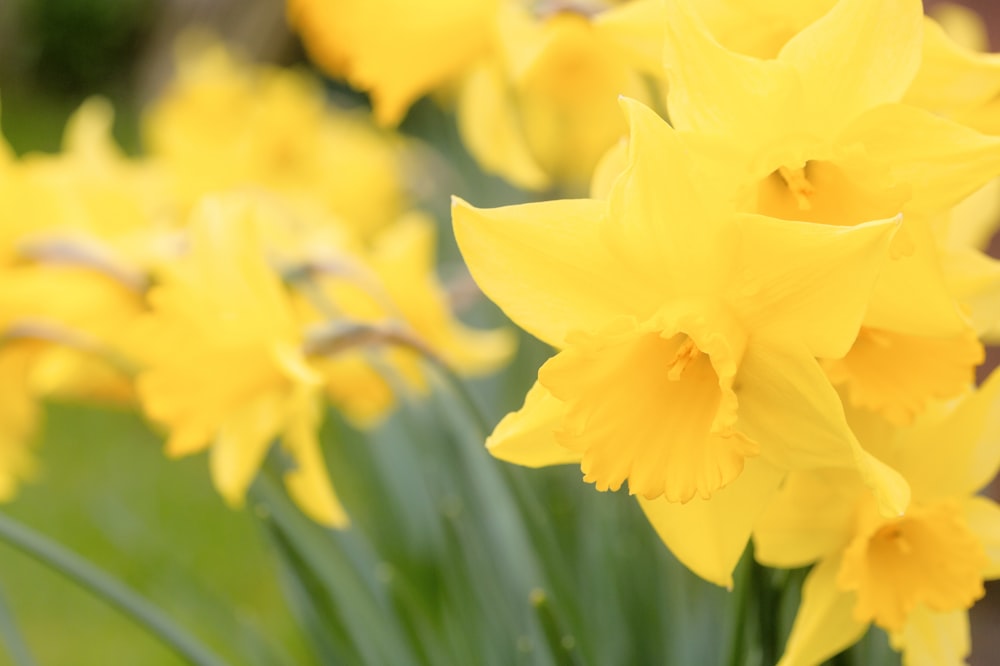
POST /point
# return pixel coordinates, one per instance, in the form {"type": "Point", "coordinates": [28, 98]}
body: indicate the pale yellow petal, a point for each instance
{"type": "Point", "coordinates": [948, 163]}
{"type": "Point", "coordinates": [491, 130]}
{"type": "Point", "coordinates": [811, 517]}
{"type": "Point", "coordinates": [637, 28]}
{"type": "Point", "coordinates": [788, 406]}
{"type": "Point", "coordinates": [931, 638]}
{"type": "Point", "coordinates": [982, 515]}
{"type": "Point", "coordinates": [241, 445]}
{"type": "Point", "coordinates": [825, 624]}
{"type": "Point", "coordinates": [309, 482]}
{"type": "Point", "coordinates": [709, 536]}
{"type": "Point", "coordinates": [810, 283]}
{"type": "Point", "coordinates": [848, 62]}
{"type": "Point", "coordinates": [547, 266]}
{"type": "Point", "coordinates": [952, 77]}
{"type": "Point", "coordinates": [527, 436]}
{"type": "Point", "coordinates": [971, 434]}
{"type": "Point", "coordinates": [974, 278]}
{"type": "Point", "coordinates": [714, 90]}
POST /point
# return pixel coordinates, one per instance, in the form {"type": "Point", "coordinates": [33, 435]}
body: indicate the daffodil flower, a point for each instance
{"type": "Point", "coordinates": [820, 133]}
{"type": "Point", "coordinates": [687, 336]}
{"type": "Point", "coordinates": [915, 575]}
{"type": "Point", "coordinates": [224, 365]}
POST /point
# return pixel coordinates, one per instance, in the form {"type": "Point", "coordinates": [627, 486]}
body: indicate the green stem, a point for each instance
{"type": "Point", "coordinates": [16, 646]}
{"type": "Point", "coordinates": [110, 589]}
{"type": "Point", "coordinates": [737, 647]}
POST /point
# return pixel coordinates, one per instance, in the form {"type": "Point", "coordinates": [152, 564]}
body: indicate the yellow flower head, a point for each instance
{"type": "Point", "coordinates": [915, 574]}
{"type": "Point", "coordinates": [687, 335]}
{"type": "Point", "coordinates": [224, 366]}
{"type": "Point", "coordinates": [226, 125]}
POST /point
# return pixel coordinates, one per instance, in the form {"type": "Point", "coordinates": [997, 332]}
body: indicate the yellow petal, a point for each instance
{"type": "Point", "coordinates": [974, 220]}
{"type": "Point", "coordinates": [952, 77]}
{"type": "Point", "coordinates": [788, 406]}
{"type": "Point", "coordinates": [637, 28]}
{"type": "Point", "coordinates": [241, 445]}
{"type": "Point", "coordinates": [849, 62]}
{"type": "Point", "coordinates": [487, 120]}
{"type": "Point", "coordinates": [948, 163]}
{"type": "Point", "coordinates": [809, 518]}
{"type": "Point", "coordinates": [309, 482]}
{"type": "Point", "coordinates": [714, 90]}
{"type": "Point", "coordinates": [709, 536]}
{"type": "Point", "coordinates": [664, 219]}
{"type": "Point", "coordinates": [824, 624]}
{"type": "Point", "coordinates": [807, 282]}
{"type": "Point", "coordinates": [547, 266]}
{"type": "Point", "coordinates": [898, 375]}
{"type": "Point", "coordinates": [396, 49]}
{"type": "Point", "coordinates": [974, 278]}
{"type": "Point", "coordinates": [982, 515]}
{"type": "Point", "coordinates": [971, 431]}
{"type": "Point", "coordinates": [608, 168]}
{"type": "Point", "coordinates": [527, 436]}
{"type": "Point", "coordinates": [934, 639]}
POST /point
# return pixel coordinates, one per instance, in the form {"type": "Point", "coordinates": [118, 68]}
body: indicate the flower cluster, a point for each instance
{"type": "Point", "coordinates": [768, 315]}
{"type": "Point", "coordinates": [264, 257]}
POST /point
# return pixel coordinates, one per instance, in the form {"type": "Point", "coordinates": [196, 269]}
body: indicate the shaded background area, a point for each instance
{"type": "Point", "coordinates": [105, 488]}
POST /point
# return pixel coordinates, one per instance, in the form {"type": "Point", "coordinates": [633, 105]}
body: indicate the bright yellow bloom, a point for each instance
{"type": "Point", "coordinates": [914, 575]}
{"type": "Point", "coordinates": [225, 125]}
{"type": "Point", "coordinates": [224, 366]}
{"type": "Point", "coordinates": [687, 334]}
{"type": "Point", "coordinates": [817, 133]}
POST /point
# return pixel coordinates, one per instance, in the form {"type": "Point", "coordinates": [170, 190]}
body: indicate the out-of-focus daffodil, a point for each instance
{"type": "Point", "coordinates": [687, 334]}
{"type": "Point", "coordinates": [224, 367]}
{"type": "Point", "coordinates": [225, 125]}
{"type": "Point", "coordinates": [914, 575]}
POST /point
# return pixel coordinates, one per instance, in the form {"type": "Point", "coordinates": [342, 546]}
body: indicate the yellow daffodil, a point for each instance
{"type": "Point", "coordinates": [545, 109]}
{"type": "Point", "coordinates": [915, 575]}
{"type": "Point", "coordinates": [687, 336]}
{"type": "Point", "coordinates": [818, 133]}
{"type": "Point", "coordinates": [226, 125]}
{"type": "Point", "coordinates": [224, 365]}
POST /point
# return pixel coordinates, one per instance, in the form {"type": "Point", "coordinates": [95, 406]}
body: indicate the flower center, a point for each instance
{"type": "Point", "coordinates": [652, 408]}
{"type": "Point", "coordinates": [928, 557]}
{"type": "Point", "coordinates": [799, 186]}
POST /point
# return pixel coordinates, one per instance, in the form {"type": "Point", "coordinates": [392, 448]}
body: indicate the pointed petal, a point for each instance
{"type": "Point", "coordinates": [824, 624]}
{"type": "Point", "coordinates": [948, 162]}
{"type": "Point", "coordinates": [241, 445]}
{"type": "Point", "coordinates": [662, 217]}
{"type": "Point", "coordinates": [952, 78]}
{"type": "Point", "coordinates": [309, 482]}
{"type": "Point", "coordinates": [714, 90]}
{"type": "Point", "coordinates": [974, 278]}
{"type": "Point", "coordinates": [487, 120]}
{"type": "Point", "coordinates": [527, 436]}
{"type": "Point", "coordinates": [810, 518]}
{"type": "Point", "coordinates": [982, 515]}
{"type": "Point", "coordinates": [848, 62]}
{"type": "Point", "coordinates": [807, 282]}
{"type": "Point", "coordinates": [935, 639]}
{"type": "Point", "coordinates": [709, 536]}
{"type": "Point", "coordinates": [546, 265]}
{"type": "Point", "coordinates": [972, 433]}
{"type": "Point", "coordinates": [911, 295]}
{"type": "Point", "coordinates": [788, 406]}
